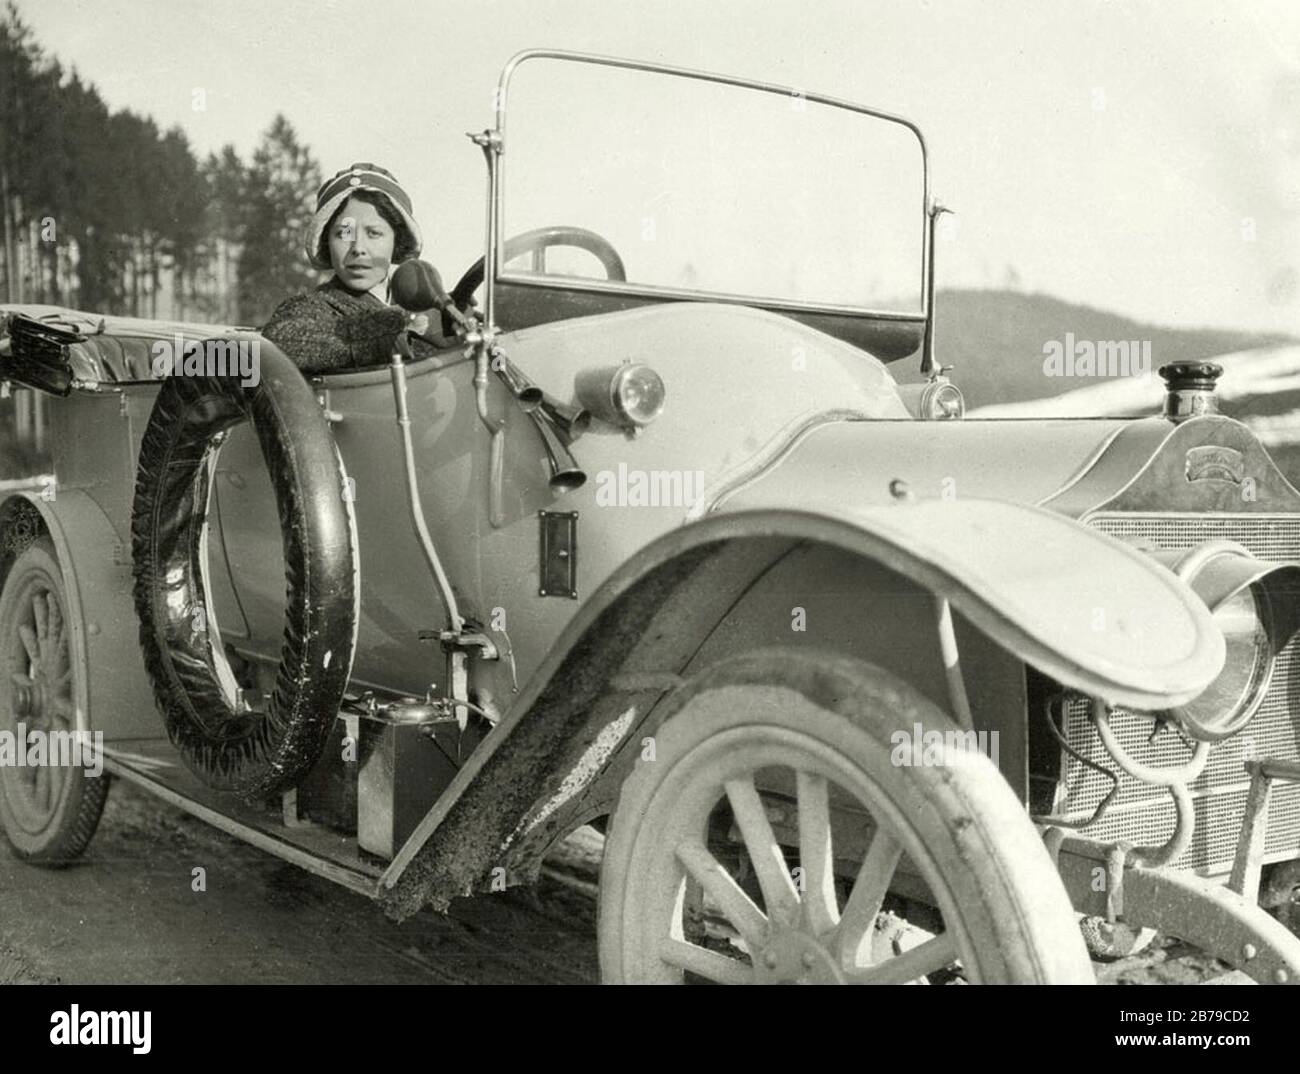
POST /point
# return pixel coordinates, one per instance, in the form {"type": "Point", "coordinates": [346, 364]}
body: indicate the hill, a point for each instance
{"type": "Point", "coordinates": [995, 339]}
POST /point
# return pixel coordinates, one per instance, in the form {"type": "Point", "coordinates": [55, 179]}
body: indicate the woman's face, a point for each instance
{"type": "Point", "coordinates": [361, 245]}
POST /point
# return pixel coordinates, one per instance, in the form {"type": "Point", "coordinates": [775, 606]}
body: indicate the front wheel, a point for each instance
{"type": "Point", "coordinates": [796, 758]}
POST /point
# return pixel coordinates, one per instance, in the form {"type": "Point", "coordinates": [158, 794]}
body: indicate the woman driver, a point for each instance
{"type": "Point", "coordinates": [362, 227]}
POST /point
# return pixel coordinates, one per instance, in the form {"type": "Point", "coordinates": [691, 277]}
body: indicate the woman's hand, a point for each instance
{"type": "Point", "coordinates": [428, 325]}
{"type": "Point", "coordinates": [463, 323]}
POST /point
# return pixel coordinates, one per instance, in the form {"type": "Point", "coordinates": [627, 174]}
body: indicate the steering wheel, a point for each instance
{"type": "Point", "coordinates": [537, 242]}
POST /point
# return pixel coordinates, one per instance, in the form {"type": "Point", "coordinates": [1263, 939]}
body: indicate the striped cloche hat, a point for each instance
{"type": "Point", "coordinates": [335, 191]}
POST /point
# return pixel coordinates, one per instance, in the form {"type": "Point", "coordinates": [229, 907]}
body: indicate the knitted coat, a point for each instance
{"type": "Point", "coordinates": [333, 328]}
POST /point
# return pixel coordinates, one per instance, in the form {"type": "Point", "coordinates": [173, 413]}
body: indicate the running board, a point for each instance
{"type": "Point", "coordinates": [153, 765]}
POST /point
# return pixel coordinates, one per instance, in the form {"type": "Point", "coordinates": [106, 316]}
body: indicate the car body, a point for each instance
{"type": "Point", "coordinates": [791, 562]}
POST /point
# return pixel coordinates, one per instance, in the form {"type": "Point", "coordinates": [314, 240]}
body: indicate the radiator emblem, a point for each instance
{"type": "Point", "coordinates": [1215, 463]}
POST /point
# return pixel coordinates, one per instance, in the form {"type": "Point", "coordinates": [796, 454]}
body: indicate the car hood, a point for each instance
{"type": "Point", "coordinates": [863, 461]}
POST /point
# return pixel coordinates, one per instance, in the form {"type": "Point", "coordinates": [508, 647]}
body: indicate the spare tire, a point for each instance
{"type": "Point", "coordinates": [230, 747]}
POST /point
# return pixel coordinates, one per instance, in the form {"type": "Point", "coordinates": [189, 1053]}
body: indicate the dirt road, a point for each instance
{"type": "Point", "coordinates": [128, 912]}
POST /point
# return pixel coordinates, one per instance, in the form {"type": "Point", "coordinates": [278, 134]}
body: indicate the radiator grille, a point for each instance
{"type": "Point", "coordinates": [1143, 814]}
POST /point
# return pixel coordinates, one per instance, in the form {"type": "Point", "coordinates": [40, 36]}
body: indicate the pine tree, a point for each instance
{"type": "Point", "coordinates": [103, 211]}
{"type": "Point", "coordinates": [277, 212]}
{"type": "Point", "coordinates": [183, 223]}
{"type": "Point", "coordinates": [224, 180]}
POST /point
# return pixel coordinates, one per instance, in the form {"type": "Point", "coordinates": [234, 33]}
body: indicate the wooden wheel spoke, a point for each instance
{"type": "Point", "coordinates": [925, 958]}
{"type": "Point", "coordinates": [41, 616]}
{"type": "Point", "coordinates": [867, 896]}
{"type": "Point", "coordinates": [56, 631]}
{"type": "Point", "coordinates": [721, 887]}
{"type": "Point", "coordinates": [57, 658]}
{"type": "Point", "coordinates": [779, 893]}
{"type": "Point", "coordinates": [693, 929]}
{"type": "Point", "coordinates": [28, 637]}
{"type": "Point", "coordinates": [820, 908]}
{"type": "Point", "coordinates": [704, 963]}
{"type": "Point", "coordinates": [65, 711]}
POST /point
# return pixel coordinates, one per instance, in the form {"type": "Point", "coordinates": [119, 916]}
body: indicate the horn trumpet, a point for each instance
{"type": "Point", "coordinates": [571, 420]}
{"type": "Point", "coordinates": [528, 394]}
{"type": "Point", "coordinates": [566, 474]}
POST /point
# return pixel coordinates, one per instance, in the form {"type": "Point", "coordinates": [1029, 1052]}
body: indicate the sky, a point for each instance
{"type": "Point", "coordinates": [1137, 156]}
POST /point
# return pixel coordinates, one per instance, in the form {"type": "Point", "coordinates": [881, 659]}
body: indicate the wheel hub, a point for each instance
{"type": "Point", "coordinates": [33, 698]}
{"type": "Point", "coordinates": [23, 702]}
{"type": "Point", "coordinates": [793, 957]}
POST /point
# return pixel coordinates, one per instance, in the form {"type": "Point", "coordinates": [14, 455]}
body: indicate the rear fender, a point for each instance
{"type": "Point", "coordinates": [1088, 610]}
{"type": "Point", "coordinates": [112, 693]}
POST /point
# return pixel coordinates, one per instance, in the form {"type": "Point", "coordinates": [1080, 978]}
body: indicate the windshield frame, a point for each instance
{"type": "Point", "coordinates": [495, 144]}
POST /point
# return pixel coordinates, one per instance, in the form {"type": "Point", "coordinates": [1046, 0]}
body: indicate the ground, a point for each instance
{"type": "Point", "coordinates": [127, 912]}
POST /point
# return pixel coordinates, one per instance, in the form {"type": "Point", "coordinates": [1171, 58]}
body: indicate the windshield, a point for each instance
{"type": "Point", "coordinates": [711, 188]}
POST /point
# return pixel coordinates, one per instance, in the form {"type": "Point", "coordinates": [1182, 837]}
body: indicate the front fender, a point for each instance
{"type": "Point", "coordinates": [1090, 611]}
{"type": "Point", "coordinates": [1086, 609]}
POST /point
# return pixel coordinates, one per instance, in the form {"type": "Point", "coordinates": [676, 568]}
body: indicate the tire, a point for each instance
{"type": "Point", "coordinates": [48, 813]}
{"type": "Point", "coordinates": [1005, 914]}
{"type": "Point", "coordinates": [230, 747]}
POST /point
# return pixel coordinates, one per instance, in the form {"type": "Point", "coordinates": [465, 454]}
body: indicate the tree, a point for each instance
{"type": "Point", "coordinates": [101, 210]}
{"type": "Point", "coordinates": [277, 210]}
{"type": "Point", "coordinates": [95, 223]}
{"type": "Point", "coordinates": [183, 223]}
{"type": "Point", "coordinates": [20, 63]}
{"type": "Point", "coordinates": [224, 180]}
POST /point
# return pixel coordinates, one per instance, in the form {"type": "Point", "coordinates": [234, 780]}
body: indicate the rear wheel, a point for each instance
{"type": "Point", "coordinates": [49, 811]}
{"type": "Point", "coordinates": [800, 753]}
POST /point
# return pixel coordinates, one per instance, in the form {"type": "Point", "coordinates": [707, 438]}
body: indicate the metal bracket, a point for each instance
{"type": "Point", "coordinates": [950, 654]}
{"type": "Point", "coordinates": [289, 814]}
{"type": "Point", "coordinates": [1198, 910]}
{"type": "Point", "coordinates": [459, 645]}
{"type": "Point", "coordinates": [558, 563]}
{"type": "Point", "coordinates": [452, 640]}
{"type": "Point", "coordinates": [928, 364]}
{"type": "Point", "coordinates": [1115, 862]}
{"type": "Point", "coordinates": [323, 398]}
{"type": "Point", "coordinates": [1249, 861]}
{"type": "Point", "coordinates": [488, 141]}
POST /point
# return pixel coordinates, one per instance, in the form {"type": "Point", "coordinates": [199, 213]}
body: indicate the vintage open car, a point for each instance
{"type": "Point", "coordinates": [675, 543]}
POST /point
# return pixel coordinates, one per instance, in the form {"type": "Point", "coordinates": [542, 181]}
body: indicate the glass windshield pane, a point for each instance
{"type": "Point", "coordinates": [715, 188]}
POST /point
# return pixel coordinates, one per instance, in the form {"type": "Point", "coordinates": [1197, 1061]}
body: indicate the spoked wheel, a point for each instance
{"type": "Point", "coordinates": [49, 811]}
{"type": "Point", "coordinates": [820, 729]}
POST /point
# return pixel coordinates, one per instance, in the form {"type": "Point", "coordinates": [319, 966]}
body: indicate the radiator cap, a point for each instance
{"type": "Point", "coordinates": [1190, 389]}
